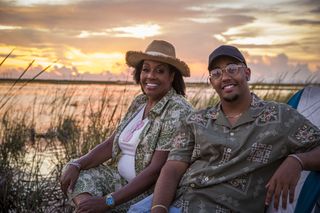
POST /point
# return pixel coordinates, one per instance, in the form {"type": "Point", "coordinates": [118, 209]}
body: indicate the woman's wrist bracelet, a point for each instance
{"type": "Point", "coordinates": [160, 206]}
{"type": "Point", "coordinates": [78, 165]}
{"type": "Point", "coordinates": [298, 159]}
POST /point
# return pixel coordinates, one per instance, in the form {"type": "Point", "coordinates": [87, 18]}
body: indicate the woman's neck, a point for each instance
{"type": "Point", "coordinates": [148, 107]}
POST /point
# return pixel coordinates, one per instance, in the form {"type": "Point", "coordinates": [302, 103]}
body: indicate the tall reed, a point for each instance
{"type": "Point", "coordinates": [73, 126]}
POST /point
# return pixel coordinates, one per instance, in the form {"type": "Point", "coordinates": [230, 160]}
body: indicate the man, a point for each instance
{"type": "Point", "coordinates": [224, 156]}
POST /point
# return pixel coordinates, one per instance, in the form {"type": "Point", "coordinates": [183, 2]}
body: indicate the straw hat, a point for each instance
{"type": "Point", "coordinates": [161, 51]}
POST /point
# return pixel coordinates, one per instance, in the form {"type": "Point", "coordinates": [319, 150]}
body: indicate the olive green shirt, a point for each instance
{"type": "Point", "coordinates": [163, 118]}
{"type": "Point", "coordinates": [230, 165]}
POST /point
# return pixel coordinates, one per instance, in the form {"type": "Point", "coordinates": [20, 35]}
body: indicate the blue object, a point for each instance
{"type": "Point", "coordinates": [310, 191]}
{"type": "Point", "coordinates": [294, 100]}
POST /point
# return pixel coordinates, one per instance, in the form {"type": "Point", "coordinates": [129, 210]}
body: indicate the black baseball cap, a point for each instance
{"type": "Point", "coordinates": [226, 50]}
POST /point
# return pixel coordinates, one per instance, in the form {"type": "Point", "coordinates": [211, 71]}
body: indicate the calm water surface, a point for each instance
{"type": "Point", "coordinates": [44, 103]}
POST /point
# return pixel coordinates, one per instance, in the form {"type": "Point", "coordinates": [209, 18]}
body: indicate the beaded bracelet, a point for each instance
{"type": "Point", "coordinates": [298, 159]}
{"type": "Point", "coordinates": [161, 206]}
{"type": "Point", "coordinates": [78, 165]}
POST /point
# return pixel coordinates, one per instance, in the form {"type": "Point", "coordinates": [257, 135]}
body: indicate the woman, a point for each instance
{"type": "Point", "coordinates": [139, 147]}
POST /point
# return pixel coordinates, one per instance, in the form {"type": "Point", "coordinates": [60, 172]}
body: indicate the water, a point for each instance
{"type": "Point", "coordinates": [41, 103]}
{"type": "Point", "coordinates": [39, 99]}
{"type": "Point", "coordinates": [44, 103]}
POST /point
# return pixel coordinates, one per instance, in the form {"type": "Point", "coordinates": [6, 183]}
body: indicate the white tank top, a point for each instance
{"type": "Point", "coordinates": [128, 142]}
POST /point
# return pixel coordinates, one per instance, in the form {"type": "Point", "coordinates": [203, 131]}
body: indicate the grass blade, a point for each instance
{"type": "Point", "coordinates": [6, 57]}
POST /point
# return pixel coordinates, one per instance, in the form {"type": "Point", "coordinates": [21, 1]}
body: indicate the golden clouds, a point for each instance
{"type": "Point", "coordinates": [93, 36]}
{"type": "Point", "coordinates": [136, 31]}
{"type": "Point", "coordinates": [95, 62]}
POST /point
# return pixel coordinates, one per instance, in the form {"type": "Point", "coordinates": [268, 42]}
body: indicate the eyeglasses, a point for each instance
{"type": "Point", "coordinates": [231, 69]}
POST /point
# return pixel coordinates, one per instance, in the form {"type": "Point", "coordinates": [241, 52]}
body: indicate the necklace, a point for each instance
{"type": "Point", "coordinates": [135, 127]}
{"type": "Point", "coordinates": [128, 133]}
{"type": "Point", "coordinates": [234, 116]}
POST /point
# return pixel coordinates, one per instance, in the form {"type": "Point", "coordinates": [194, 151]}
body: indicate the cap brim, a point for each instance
{"type": "Point", "coordinates": [135, 57]}
{"type": "Point", "coordinates": [220, 55]}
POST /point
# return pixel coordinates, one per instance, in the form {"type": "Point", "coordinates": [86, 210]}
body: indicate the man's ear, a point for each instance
{"type": "Point", "coordinates": [248, 74]}
{"type": "Point", "coordinates": [208, 80]}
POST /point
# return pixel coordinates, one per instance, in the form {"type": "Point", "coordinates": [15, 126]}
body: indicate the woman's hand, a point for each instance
{"type": "Point", "coordinates": [68, 178]}
{"type": "Point", "coordinates": [95, 157]}
{"type": "Point", "coordinates": [92, 204]}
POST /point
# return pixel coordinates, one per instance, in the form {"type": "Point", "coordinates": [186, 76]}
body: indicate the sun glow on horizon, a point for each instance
{"type": "Point", "coordinates": [20, 58]}
{"type": "Point", "coordinates": [92, 37]}
{"type": "Point", "coordinates": [96, 62]}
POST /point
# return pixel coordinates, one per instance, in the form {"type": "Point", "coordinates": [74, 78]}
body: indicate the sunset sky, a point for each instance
{"type": "Point", "coordinates": [88, 39]}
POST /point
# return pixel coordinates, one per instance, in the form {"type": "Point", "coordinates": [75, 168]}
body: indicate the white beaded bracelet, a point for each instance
{"type": "Point", "coordinates": [78, 165]}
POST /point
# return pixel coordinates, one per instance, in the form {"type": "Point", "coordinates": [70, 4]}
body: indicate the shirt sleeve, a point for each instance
{"type": "Point", "coordinates": [303, 135]}
{"type": "Point", "coordinates": [170, 125]}
{"type": "Point", "coordinates": [184, 144]}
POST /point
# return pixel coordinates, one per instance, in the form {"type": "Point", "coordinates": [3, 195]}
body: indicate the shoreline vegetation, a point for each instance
{"type": "Point", "coordinates": [61, 123]}
{"type": "Point", "coordinates": [52, 127]}
{"type": "Point", "coordinates": [281, 86]}
{"type": "Point", "coordinates": [31, 160]}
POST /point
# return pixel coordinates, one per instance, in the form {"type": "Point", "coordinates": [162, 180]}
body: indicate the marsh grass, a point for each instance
{"type": "Point", "coordinates": [58, 127]}
{"type": "Point", "coordinates": [73, 129]}
{"type": "Point", "coordinates": [204, 96]}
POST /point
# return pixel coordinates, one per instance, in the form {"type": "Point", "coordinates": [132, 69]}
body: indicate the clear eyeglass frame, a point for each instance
{"type": "Point", "coordinates": [231, 69]}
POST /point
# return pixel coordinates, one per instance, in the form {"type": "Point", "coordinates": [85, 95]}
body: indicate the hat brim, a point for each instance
{"type": "Point", "coordinates": [135, 57]}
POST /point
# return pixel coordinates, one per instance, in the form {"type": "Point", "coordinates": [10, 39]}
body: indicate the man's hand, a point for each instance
{"type": "Point", "coordinates": [283, 182]}
{"type": "Point", "coordinates": [92, 204]}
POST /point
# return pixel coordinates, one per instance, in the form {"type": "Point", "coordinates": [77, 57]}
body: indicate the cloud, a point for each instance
{"type": "Point", "coordinates": [280, 69]}
{"type": "Point", "coordinates": [265, 69]}
{"type": "Point", "coordinates": [64, 73]}
{"type": "Point", "coordinates": [316, 10]}
{"type": "Point", "coordinates": [92, 15]}
{"type": "Point", "coordinates": [305, 22]}
{"type": "Point", "coordinates": [136, 31]}
{"type": "Point", "coordinates": [47, 32]}
{"type": "Point", "coordinates": [266, 46]}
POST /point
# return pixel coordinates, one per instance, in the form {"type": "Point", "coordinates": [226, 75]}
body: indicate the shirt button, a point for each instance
{"type": "Point", "coordinates": [192, 185]}
{"type": "Point", "coordinates": [231, 133]}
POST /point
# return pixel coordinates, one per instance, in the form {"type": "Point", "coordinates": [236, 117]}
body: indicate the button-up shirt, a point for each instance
{"type": "Point", "coordinates": [163, 118]}
{"type": "Point", "coordinates": [230, 165]}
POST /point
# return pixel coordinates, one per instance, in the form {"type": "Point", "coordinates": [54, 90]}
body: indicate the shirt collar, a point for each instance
{"type": "Point", "coordinates": [256, 108]}
{"type": "Point", "coordinates": [160, 105]}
